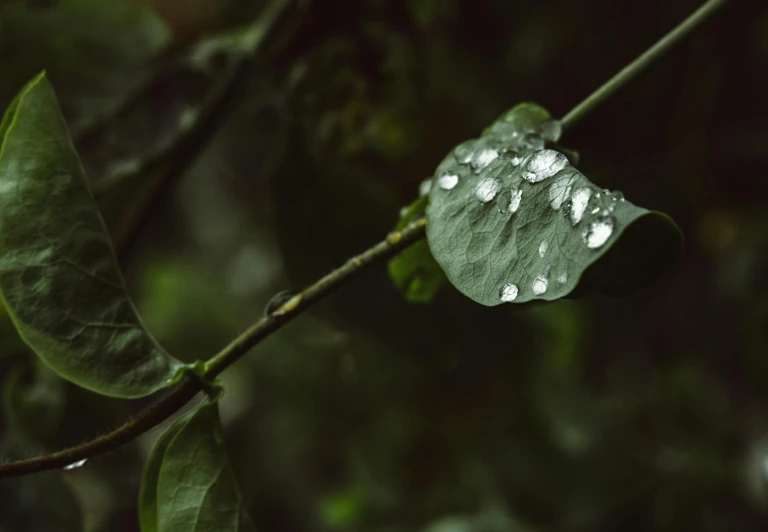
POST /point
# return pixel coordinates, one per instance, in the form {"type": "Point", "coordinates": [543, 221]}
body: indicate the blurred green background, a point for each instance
{"type": "Point", "coordinates": [369, 413]}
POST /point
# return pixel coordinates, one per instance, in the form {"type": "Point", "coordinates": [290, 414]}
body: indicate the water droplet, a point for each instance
{"type": "Point", "coordinates": [551, 130]}
{"type": "Point", "coordinates": [598, 232]}
{"type": "Point", "coordinates": [482, 158]}
{"type": "Point", "coordinates": [617, 196]}
{"type": "Point", "coordinates": [578, 204]}
{"type": "Point", "coordinates": [543, 248]}
{"type": "Point", "coordinates": [75, 465]}
{"type": "Point", "coordinates": [595, 210]}
{"type": "Point", "coordinates": [543, 164]}
{"type": "Point", "coordinates": [463, 152]}
{"type": "Point", "coordinates": [403, 211]}
{"type": "Point", "coordinates": [540, 285]}
{"type": "Point", "coordinates": [448, 181]}
{"type": "Point", "coordinates": [517, 196]}
{"type": "Point", "coordinates": [562, 278]}
{"type": "Point", "coordinates": [425, 187]}
{"type": "Point", "coordinates": [508, 292]}
{"type": "Point", "coordinates": [509, 200]}
{"type": "Point", "coordinates": [560, 190]}
{"type": "Point", "coordinates": [487, 189]}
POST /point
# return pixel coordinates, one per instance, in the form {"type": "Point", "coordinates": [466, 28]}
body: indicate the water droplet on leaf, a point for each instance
{"type": "Point", "coordinates": [578, 204]}
{"type": "Point", "coordinates": [448, 181]}
{"type": "Point", "coordinates": [487, 189]}
{"type": "Point", "coordinates": [508, 292]}
{"type": "Point", "coordinates": [598, 232]}
{"type": "Point", "coordinates": [543, 248]}
{"type": "Point", "coordinates": [562, 278]}
{"type": "Point", "coordinates": [540, 285]}
{"type": "Point", "coordinates": [543, 164]}
{"type": "Point", "coordinates": [482, 158]}
{"type": "Point", "coordinates": [463, 152]}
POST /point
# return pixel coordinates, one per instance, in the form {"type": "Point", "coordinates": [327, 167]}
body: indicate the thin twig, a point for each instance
{"type": "Point", "coordinates": [631, 71]}
{"type": "Point", "coordinates": [173, 401]}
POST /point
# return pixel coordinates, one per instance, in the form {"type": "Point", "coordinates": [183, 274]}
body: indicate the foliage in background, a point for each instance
{"type": "Point", "coordinates": [597, 414]}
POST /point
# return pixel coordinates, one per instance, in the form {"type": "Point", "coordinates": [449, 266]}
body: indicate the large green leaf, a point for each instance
{"type": "Point", "coordinates": [188, 481]}
{"type": "Point", "coordinates": [511, 220]}
{"type": "Point", "coordinates": [58, 276]}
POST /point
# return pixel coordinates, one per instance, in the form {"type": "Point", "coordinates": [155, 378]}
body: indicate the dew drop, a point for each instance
{"type": "Point", "coordinates": [425, 187]}
{"type": "Point", "coordinates": [598, 232]}
{"type": "Point", "coordinates": [448, 181]}
{"type": "Point", "coordinates": [543, 164]}
{"type": "Point", "coordinates": [509, 200]}
{"type": "Point", "coordinates": [562, 278]}
{"type": "Point", "coordinates": [595, 210]}
{"type": "Point", "coordinates": [75, 465]}
{"type": "Point", "coordinates": [514, 204]}
{"type": "Point", "coordinates": [540, 285]}
{"type": "Point", "coordinates": [560, 190]}
{"type": "Point", "coordinates": [543, 248]}
{"type": "Point", "coordinates": [579, 202]}
{"type": "Point", "coordinates": [508, 293]}
{"type": "Point", "coordinates": [514, 158]}
{"type": "Point", "coordinates": [487, 189]}
{"type": "Point", "coordinates": [463, 152]}
{"type": "Point", "coordinates": [482, 158]}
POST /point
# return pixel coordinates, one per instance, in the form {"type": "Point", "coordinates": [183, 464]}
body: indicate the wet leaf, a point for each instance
{"type": "Point", "coordinates": [414, 270]}
{"type": "Point", "coordinates": [511, 220]}
{"type": "Point", "coordinates": [188, 481]}
{"type": "Point", "coordinates": [58, 276]}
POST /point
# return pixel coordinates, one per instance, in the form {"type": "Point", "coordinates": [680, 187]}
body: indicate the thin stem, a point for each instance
{"type": "Point", "coordinates": [173, 401]}
{"type": "Point", "coordinates": [631, 71]}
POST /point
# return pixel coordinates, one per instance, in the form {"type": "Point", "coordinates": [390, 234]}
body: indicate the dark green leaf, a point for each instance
{"type": "Point", "coordinates": [510, 219]}
{"type": "Point", "coordinates": [58, 275]}
{"type": "Point", "coordinates": [414, 271]}
{"type": "Point", "coordinates": [188, 482]}
{"type": "Point", "coordinates": [148, 494]}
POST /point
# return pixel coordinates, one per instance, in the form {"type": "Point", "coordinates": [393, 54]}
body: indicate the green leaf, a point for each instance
{"type": "Point", "coordinates": [511, 220]}
{"type": "Point", "coordinates": [59, 279]}
{"type": "Point", "coordinates": [188, 482]}
{"type": "Point", "coordinates": [414, 270]}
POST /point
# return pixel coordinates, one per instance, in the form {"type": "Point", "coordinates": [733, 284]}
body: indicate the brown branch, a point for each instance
{"type": "Point", "coordinates": [184, 392]}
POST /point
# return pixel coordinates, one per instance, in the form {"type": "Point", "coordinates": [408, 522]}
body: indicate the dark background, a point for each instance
{"type": "Point", "coordinates": [369, 413]}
